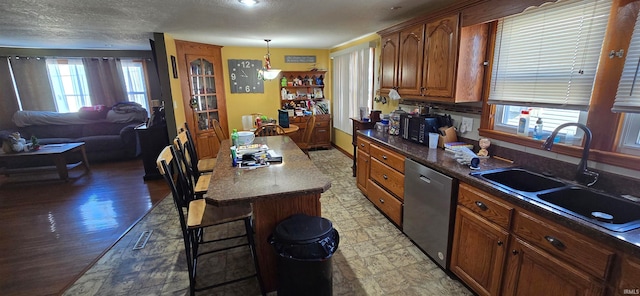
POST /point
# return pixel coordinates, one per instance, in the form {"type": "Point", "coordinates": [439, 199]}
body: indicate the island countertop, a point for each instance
{"type": "Point", "coordinates": [296, 175]}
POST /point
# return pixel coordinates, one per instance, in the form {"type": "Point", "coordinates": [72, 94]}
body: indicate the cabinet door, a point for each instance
{"type": "Point", "coordinates": [410, 60]}
{"type": "Point", "coordinates": [321, 134]}
{"type": "Point", "coordinates": [202, 86]}
{"type": "Point", "coordinates": [441, 52]}
{"type": "Point", "coordinates": [531, 271]}
{"type": "Point", "coordinates": [389, 61]}
{"type": "Point", "coordinates": [362, 174]}
{"type": "Point", "coordinates": [479, 249]}
{"type": "Point", "coordinates": [206, 143]}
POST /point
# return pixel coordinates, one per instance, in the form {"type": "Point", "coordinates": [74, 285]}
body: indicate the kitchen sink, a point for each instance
{"type": "Point", "coordinates": [610, 212]}
{"type": "Point", "coordinates": [520, 180]}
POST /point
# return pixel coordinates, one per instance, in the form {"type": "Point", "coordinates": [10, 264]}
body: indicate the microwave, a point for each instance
{"type": "Point", "coordinates": [416, 128]}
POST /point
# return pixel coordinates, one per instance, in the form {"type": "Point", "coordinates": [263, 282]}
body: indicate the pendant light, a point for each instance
{"type": "Point", "coordinates": [267, 73]}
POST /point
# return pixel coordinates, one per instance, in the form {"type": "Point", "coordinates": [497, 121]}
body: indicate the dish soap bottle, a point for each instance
{"type": "Point", "coordinates": [523, 123]}
{"type": "Point", "coordinates": [537, 130]}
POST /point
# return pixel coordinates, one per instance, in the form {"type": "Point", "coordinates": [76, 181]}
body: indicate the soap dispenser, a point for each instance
{"type": "Point", "coordinates": [537, 130]}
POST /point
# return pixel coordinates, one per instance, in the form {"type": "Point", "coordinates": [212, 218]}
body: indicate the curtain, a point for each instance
{"type": "Point", "coordinates": [105, 80]}
{"type": "Point", "coordinates": [8, 98]}
{"type": "Point", "coordinates": [32, 84]}
{"type": "Point", "coordinates": [352, 85]}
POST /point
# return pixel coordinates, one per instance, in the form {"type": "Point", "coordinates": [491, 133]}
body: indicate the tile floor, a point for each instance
{"type": "Point", "coordinates": [374, 257]}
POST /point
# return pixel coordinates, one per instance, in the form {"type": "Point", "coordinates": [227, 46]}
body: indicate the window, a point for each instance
{"type": "Point", "coordinates": [352, 84]}
{"type": "Point", "coordinates": [545, 61]}
{"type": "Point", "coordinates": [628, 97]}
{"type": "Point", "coordinates": [133, 72]}
{"type": "Point", "coordinates": [69, 84]}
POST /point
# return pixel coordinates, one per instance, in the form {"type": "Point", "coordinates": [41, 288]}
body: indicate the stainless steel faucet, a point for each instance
{"type": "Point", "coordinates": [583, 175]}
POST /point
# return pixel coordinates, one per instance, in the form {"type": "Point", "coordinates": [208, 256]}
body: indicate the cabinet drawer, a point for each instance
{"type": "Point", "coordinates": [322, 124]}
{"type": "Point", "coordinates": [389, 178]}
{"type": "Point", "coordinates": [363, 145]}
{"type": "Point", "coordinates": [564, 243]}
{"type": "Point", "coordinates": [388, 204]}
{"type": "Point", "coordinates": [392, 159]}
{"type": "Point", "coordinates": [485, 205]}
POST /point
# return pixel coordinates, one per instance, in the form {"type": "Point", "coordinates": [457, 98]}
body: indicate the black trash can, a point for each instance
{"type": "Point", "coordinates": [304, 245]}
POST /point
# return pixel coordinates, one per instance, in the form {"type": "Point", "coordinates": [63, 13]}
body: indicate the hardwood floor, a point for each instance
{"type": "Point", "coordinates": [52, 231]}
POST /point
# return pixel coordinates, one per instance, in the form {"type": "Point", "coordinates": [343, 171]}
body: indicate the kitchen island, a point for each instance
{"type": "Point", "coordinates": [276, 192]}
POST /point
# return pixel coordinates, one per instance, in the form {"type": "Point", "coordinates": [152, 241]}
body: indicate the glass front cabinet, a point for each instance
{"type": "Point", "coordinates": [203, 93]}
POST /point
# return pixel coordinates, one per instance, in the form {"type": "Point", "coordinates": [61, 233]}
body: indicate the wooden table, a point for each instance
{"type": "Point", "coordinates": [276, 192]}
{"type": "Point", "coordinates": [55, 152]}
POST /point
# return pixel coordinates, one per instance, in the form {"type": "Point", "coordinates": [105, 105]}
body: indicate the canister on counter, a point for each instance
{"type": "Point", "coordinates": [394, 121]}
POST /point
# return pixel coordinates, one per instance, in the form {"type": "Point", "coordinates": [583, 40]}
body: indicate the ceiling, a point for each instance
{"type": "Point", "coordinates": [129, 24]}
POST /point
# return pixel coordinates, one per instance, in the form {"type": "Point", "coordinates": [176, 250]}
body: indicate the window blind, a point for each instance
{"type": "Point", "coordinates": [547, 56]}
{"type": "Point", "coordinates": [628, 96]}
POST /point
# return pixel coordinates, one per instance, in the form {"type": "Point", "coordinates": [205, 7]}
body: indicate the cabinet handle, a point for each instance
{"type": "Point", "coordinates": [385, 177]}
{"type": "Point", "coordinates": [514, 252]}
{"type": "Point", "coordinates": [361, 145]}
{"type": "Point", "coordinates": [555, 242]}
{"type": "Point", "coordinates": [381, 200]}
{"type": "Point", "coordinates": [481, 205]}
{"type": "Point", "coordinates": [500, 243]}
{"type": "Point", "coordinates": [384, 157]}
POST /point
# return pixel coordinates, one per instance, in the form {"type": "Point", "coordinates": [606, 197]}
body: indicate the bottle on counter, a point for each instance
{"type": "Point", "coordinates": [523, 123]}
{"type": "Point", "coordinates": [234, 137]}
{"type": "Point", "coordinates": [537, 130]}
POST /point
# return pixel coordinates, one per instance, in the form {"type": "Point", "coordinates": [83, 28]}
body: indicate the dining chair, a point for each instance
{"type": "Point", "coordinates": [196, 182]}
{"type": "Point", "coordinates": [269, 129]}
{"type": "Point", "coordinates": [184, 143]}
{"type": "Point", "coordinates": [305, 144]}
{"type": "Point", "coordinates": [220, 134]}
{"type": "Point", "coordinates": [198, 215]}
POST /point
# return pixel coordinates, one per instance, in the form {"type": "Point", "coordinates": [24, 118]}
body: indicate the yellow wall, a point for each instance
{"type": "Point", "coordinates": [176, 91]}
{"type": "Point", "coordinates": [340, 138]}
{"type": "Point", "coordinates": [268, 102]}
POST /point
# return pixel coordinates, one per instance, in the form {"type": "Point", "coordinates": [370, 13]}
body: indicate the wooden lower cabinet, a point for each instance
{"type": "Point", "coordinates": [321, 137]}
{"type": "Point", "coordinates": [385, 202]}
{"type": "Point", "coordinates": [541, 258]}
{"type": "Point", "coordinates": [531, 271]}
{"type": "Point", "coordinates": [362, 175]}
{"type": "Point", "coordinates": [207, 145]}
{"type": "Point", "coordinates": [478, 252]}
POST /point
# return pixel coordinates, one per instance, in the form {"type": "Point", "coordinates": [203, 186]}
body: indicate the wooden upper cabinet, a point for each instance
{"type": "Point", "coordinates": [435, 60]}
{"type": "Point", "coordinates": [441, 52]}
{"type": "Point", "coordinates": [410, 60]}
{"type": "Point", "coordinates": [389, 61]}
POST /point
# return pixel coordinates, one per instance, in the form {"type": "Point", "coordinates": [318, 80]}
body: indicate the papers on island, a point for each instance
{"type": "Point", "coordinates": [256, 155]}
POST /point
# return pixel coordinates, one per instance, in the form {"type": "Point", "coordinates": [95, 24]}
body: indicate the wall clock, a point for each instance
{"type": "Point", "coordinates": [243, 76]}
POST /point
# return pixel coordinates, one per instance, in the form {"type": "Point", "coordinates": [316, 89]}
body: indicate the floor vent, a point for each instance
{"type": "Point", "coordinates": [143, 239]}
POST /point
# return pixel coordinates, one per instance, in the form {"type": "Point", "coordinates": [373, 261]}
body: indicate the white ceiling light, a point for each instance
{"type": "Point", "coordinates": [248, 2]}
{"type": "Point", "coordinates": [266, 72]}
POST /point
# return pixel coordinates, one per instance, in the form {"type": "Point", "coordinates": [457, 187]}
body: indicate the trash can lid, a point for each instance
{"type": "Point", "coordinates": [302, 228]}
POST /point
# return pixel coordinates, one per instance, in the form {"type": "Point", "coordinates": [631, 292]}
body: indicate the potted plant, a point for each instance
{"type": "Point", "coordinates": [35, 143]}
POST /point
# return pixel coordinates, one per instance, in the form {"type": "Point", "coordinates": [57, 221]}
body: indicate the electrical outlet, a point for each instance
{"type": "Point", "coordinates": [466, 125]}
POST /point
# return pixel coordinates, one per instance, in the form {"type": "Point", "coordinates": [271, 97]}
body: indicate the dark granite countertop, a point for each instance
{"type": "Point", "coordinates": [443, 161]}
{"type": "Point", "coordinates": [296, 175]}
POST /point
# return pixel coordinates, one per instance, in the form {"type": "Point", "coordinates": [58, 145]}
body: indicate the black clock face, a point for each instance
{"type": "Point", "coordinates": [244, 77]}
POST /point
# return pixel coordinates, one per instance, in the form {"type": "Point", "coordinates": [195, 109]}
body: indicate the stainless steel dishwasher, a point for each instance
{"type": "Point", "coordinates": [429, 210]}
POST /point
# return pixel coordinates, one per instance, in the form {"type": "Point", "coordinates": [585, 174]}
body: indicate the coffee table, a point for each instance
{"type": "Point", "coordinates": [56, 152]}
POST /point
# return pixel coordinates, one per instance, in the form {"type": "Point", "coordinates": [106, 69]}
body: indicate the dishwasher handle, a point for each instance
{"type": "Point", "coordinates": [425, 179]}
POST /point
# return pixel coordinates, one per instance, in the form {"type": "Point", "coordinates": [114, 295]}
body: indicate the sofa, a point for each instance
{"type": "Point", "coordinates": [107, 138]}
